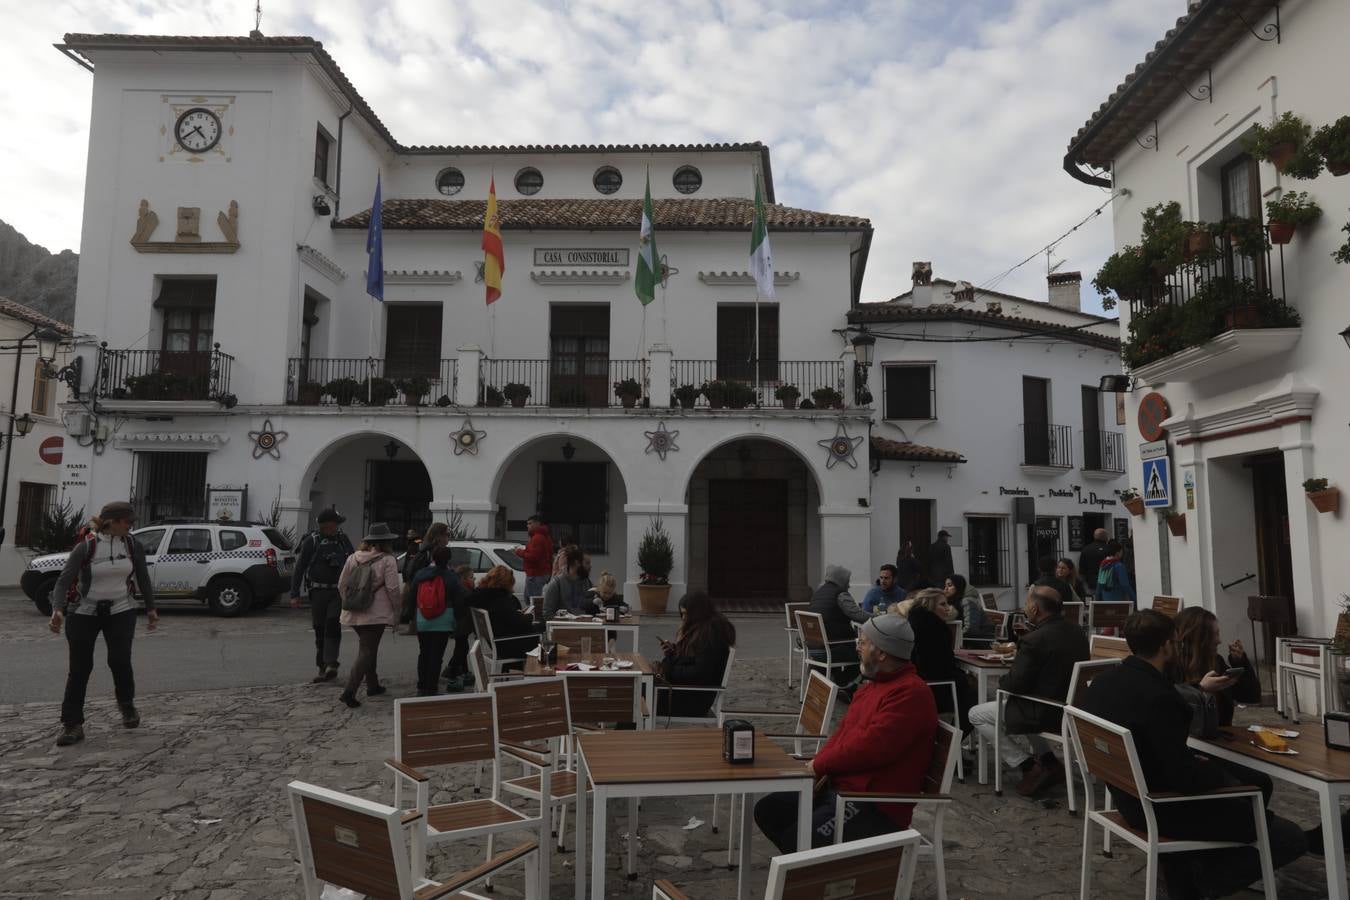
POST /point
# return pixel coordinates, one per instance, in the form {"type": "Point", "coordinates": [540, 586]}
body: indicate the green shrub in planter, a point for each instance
{"type": "Point", "coordinates": [826, 397]}
{"type": "Point", "coordinates": [740, 395]}
{"type": "Point", "coordinates": [413, 389]}
{"type": "Point", "coordinates": [1286, 144]}
{"type": "Point", "coordinates": [516, 393]}
{"type": "Point", "coordinates": [342, 390]}
{"type": "Point", "coordinates": [686, 395]}
{"type": "Point", "coordinates": [492, 396]}
{"type": "Point", "coordinates": [377, 391]}
{"type": "Point", "coordinates": [1332, 144]}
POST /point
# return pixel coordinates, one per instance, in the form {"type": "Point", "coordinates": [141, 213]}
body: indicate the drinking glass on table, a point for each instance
{"type": "Point", "coordinates": [586, 646]}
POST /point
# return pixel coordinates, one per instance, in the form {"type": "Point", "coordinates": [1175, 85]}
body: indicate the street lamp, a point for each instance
{"type": "Point", "coordinates": [49, 341]}
{"type": "Point", "coordinates": [864, 343]}
{"type": "Point", "coordinates": [1346, 334]}
{"type": "Point", "coordinates": [1115, 384]}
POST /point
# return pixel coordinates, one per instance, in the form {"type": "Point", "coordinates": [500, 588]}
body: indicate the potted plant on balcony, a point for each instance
{"type": "Point", "coordinates": [827, 398]}
{"type": "Point", "coordinates": [1246, 235]}
{"type": "Point", "coordinates": [1325, 499]}
{"type": "Point", "coordinates": [311, 392]}
{"type": "Point", "coordinates": [414, 388]}
{"type": "Point", "coordinates": [806, 404]}
{"type": "Point", "coordinates": [1332, 143]}
{"type": "Point", "coordinates": [788, 394]}
{"type": "Point", "coordinates": [492, 396]}
{"type": "Point", "coordinates": [444, 400]}
{"type": "Point", "coordinates": [515, 393]}
{"type": "Point", "coordinates": [628, 391]}
{"type": "Point", "coordinates": [1285, 144]}
{"type": "Point", "coordinates": [1289, 212]}
{"type": "Point", "coordinates": [1176, 522]}
{"type": "Point", "coordinates": [1126, 274]}
{"type": "Point", "coordinates": [1342, 253]}
{"type": "Point", "coordinates": [740, 395]}
{"type": "Point", "coordinates": [716, 392]}
{"type": "Point", "coordinates": [1164, 237]}
{"type": "Point", "coordinates": [656, 557]}
{"type": "Point", "coordinates": [376, 391]}
{"type": "Point", "coordinates": [342, 390]}
{"type": "Point", "coordinates": [686, 395]}
{"type": "Point", "coordinates": [1132, 501]}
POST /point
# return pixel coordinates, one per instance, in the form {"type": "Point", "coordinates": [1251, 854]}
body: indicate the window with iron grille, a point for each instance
{"type": "Point", "coordinates": [607, 180]}
{"type": "Point", "coordinates": [987, 551]}
{"type": "Point", "coordinates": [910, 392]}
{"type": "Point", "coordinates": [412, 340]}
{"type": "Point", "coordinates": [169, 485]}
{"type": "Point", "coordinates": [574, 499]}
{"type": "Point", "coordinates": [34, 501]}
{"type": "Point", "coordinates": [529, 181]}
{"type": "Point", "coordinates": [687, 179]}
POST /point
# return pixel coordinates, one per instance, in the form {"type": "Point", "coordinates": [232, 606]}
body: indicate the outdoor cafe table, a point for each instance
{"type": "Point", "coordinates": [676, 763]}
{"type": "Point", "coordinates": [1320, 769]}
{"type": "Point", "coordinates": [627, 625]}
{"type": "Point", "coordinates": [986, 672]}
{"type": "Point", "coordinates": [641, 668]}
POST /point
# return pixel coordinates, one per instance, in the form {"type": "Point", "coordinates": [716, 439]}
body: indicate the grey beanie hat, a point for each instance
{"type": "Point", "coordinates": [891, 634]}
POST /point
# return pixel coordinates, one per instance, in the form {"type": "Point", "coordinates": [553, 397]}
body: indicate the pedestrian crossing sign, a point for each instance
{"type": "Point", "coordinates": [1157, 475]}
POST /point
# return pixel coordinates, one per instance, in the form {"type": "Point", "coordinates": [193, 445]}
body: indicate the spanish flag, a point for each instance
{"type": "Point", "coordinates": [494, 260]}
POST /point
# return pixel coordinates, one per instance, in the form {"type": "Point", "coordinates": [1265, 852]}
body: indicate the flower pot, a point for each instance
{"type": "Point", "coordinates": [1280, 154]}
{"type": "Point", "coordinates": [1135, 505]}
{"type": "Point", "coordinates": [495, 402]}
{"type": "Point", "coordinates": [838, 404]}
{"type": "Point", "coordinates": [518, 401]}
{"type": "Point", "coordinates": [1326, 501]}
{"type": "Point", "coordinates": [310, 394]}
{"type": "Point", "coordinates": [1196, 242]}
{"type": "Point", "coordinates": [1281, 232]}
{"type": "Point", "coordinates": [628, 401]}
{"type": "Point", "coordinates": [688, 404]}
{"type": "Point", "coordinates": [715, 403]}
{"type": "Point", "coordinates": [1338, 167]}
{"type": "Point", "coordinates": [653, 598]}
{"type": "Point", "coordinates": [1177, 525]}
{"type": "Point", "coordinates": [1248, 316]}
{"type": "Point", "coordinates": [789, 403]}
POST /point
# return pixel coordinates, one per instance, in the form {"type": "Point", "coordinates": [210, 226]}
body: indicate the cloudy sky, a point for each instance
{"type": "Point", "coordinates": [944, 123]}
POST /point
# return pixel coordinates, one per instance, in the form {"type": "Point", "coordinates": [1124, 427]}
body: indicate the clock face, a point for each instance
{"type": "Point", "coordinates": [197, 130]}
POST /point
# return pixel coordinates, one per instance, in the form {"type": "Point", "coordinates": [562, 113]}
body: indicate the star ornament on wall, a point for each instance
{"type": "Point", "coordinates": [841, 447]}
{"type": "Point", "coordinates": [467, 439]}
{"type": "Point", "coordinates": [661, 441]}
{"type": "Point", "coordinates": [266, 439]}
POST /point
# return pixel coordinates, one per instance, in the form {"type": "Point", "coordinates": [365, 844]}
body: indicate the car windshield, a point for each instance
{"type": "Point", "coordinates": [277, 538]}
{"type": "Point", "coordinates": [509, 557]}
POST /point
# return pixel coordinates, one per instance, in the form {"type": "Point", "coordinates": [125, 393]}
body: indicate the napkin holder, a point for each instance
{"type": "Point", "coordinates": [611, 614]}
{"type": "Point", "coordinates": [1336, 727]}
{"type": "Point", "coordinates": [738, 741]}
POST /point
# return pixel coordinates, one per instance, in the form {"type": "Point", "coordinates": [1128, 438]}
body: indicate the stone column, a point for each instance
{"type": "Point", "coordinates": [846, 540]}
{"type": "Point", "coordinates": [674, 518]}
{"type": "Point", "coordinates": [658, 380]}
{"type": "Point", "coordinates": [466, 376]}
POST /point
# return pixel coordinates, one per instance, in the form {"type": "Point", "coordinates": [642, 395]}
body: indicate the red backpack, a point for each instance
{"type": "Point", "coordinates": [431, 597]}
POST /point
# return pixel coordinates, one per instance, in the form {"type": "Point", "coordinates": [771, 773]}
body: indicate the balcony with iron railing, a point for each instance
{"type": "Point", "coordinates": [568, 382]}
{"type": "Point", "coordinates": [1103, 452]}
{"type": "Point", "coordinates": [1046, 446]}
{"type": "Point", "coordinates": [163, 375]}
{"type": "Point", "coordinates": [766, 384]}
{"type": "Point", "coordinates": [368, 381]}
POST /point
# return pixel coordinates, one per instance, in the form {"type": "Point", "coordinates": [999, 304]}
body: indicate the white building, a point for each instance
{"type": "Point", "coordinates": [989, 424]}
{"type": "Point", "coordinates": [223, 263]}
{"type": "Point", "coordinates": [31, 462]}
{"type": "Point", "coordinates": [1252, 413]}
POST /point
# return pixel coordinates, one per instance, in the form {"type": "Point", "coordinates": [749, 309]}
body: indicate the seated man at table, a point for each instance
{"type": "Point", "coordinates": [883, 745]}
{"type": "Point", "coordinates": [1043, 667]}
{"type": "Point", "coordinates": [1139, 695]}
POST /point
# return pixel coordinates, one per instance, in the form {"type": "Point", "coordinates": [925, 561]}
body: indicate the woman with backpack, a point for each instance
{"type": "Point", "coordinates": [371, 599]}
{"type": "Point", "coordinates": [436, 590]}
{"type": "Point", "coordinates": [95, 593]}
{"type": "Point", "coordinates": [1113, 579]}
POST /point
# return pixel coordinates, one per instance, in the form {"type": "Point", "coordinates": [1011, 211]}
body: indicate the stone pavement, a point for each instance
{"type": "Point", "coordinates": [193, 805]}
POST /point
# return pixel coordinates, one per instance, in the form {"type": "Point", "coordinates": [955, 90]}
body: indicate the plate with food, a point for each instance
{"type": "Point", "coordinates": [1271, 742]}
{"type": "Point", "coordinates": [624, 664]}
{"type": "Point", "coordinates": [1281, 732]}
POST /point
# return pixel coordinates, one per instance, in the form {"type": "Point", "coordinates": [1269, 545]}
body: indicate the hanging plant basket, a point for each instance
{"type": "Point", "coordinates": [1338, 167]}
{"type": "Point", "coordinates": [1135, 505]}
{"type": "Point", "coordinates": [1177, 525]}
{"type": "Point", "coordinates": [1326, 501]}
{"type": "Point", "coordinates": [1281, 232]}
{"type": "Point", "coordinates": [1280, 154]}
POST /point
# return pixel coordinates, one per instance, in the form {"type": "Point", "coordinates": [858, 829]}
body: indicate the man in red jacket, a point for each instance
{"type": "Point", "coordinates": [537, 555]}
{"type": "Point", "coordinates": [884, 745]}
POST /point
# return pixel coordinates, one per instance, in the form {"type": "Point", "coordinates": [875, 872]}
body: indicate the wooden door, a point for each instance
{"type": "Point", "coordinates": [1035, 421]}
{"type": "Point", "coordinates": [412, 340]}
{"type": "Point", "coordinates": [747, 539]}
{"type": "Point", "coordinates": [916, 525]}
{"type": "Point", "coordinates": [579, 346]}
{"type": "Point", "coordinates": [1092, 429]}
{"type": "Point", "coordinates": [1275, 567]}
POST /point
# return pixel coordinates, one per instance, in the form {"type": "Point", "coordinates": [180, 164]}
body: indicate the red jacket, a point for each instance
{"type": "Point", "coordinates": [885, 742]}
{"type": "Point", "coordinates": [538, 555]}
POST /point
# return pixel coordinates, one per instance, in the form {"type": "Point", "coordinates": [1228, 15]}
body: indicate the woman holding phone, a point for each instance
{"type": "Point", "coordinates": [697, 657]}
{"type": "Point", "coordinates": [1201, 668]}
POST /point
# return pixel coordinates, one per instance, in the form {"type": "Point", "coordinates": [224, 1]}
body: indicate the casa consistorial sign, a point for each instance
{"type": "Point", "coordinates": [581, 256]}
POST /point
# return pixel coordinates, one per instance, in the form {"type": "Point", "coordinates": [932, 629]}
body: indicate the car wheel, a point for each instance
{"type": "Point", "coordinates": [44, 596]}
{"type": "Point", "coordinates": [229, 596]}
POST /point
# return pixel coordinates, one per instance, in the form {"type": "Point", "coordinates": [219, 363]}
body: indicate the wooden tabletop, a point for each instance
{"type": "Point", "coordinates": [640, 666]}
{"type": "Point", "coordinates": [972, 657]}
{"type": "Point", "coordinates": [592, 621]}
{"type": "Point", "coordinates": [1315, 759]}
{"type": "Point", "coordinates": [687, 754]}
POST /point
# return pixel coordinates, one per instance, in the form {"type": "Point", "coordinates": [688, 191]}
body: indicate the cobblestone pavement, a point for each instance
{"type": "Point", "coordinates": [193, 805]}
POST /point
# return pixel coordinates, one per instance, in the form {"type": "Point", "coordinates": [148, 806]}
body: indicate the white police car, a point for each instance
{"type": "Point", "coordinates": [232, 566]}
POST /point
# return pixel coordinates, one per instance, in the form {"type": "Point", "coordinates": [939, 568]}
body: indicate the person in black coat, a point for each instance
{"type": "Point", "coordinates": [1140, 696]}
{"type": "Point", "coordinates": [1091, 556]}
{"type": "Point", "coordinates": [512, 627]}
{"type": "Point", "coordinates": [698, 656]}
{"type": "Point", "coordinates": [928, 613]}
{"type": "Point", "coordinates": [908, 568]}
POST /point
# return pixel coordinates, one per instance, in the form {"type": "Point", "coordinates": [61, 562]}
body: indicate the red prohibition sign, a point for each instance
{"type": "Point", "coordinates": [1153, 411]}
{"type": "Point", "coordinates": [50, 450]}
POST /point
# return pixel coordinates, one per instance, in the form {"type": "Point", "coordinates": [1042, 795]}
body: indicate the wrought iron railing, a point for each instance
{"type": "Point", "coordinates": [807, 376]}
{"type": "Point", "coordinates": [163, 374]}
{"type": "Point", "coordinates": [571, 381]}
{"type": "Point", "coordinates": [368, 381]}
{"type": "Point", "coordinates": [1207, 265]}
{"type": "Point", "coordinates": [1103, 451]}
{"type": "Point", "coordinates": [1044, 444]}
{"type": "Point", "coordinates": [988, 568]}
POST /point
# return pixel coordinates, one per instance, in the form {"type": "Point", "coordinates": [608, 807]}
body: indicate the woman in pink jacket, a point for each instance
{"type": "Point", "coordinates": [371, 597]}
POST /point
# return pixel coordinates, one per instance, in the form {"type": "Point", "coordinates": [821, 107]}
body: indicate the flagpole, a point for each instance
{"type": "Point", "coordinates": [758, 399]}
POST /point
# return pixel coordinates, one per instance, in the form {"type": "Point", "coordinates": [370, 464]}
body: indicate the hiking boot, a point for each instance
{"type": "Point", "coordinates": [328, 673]}
{"type": "Point", "coordinates": [349, 698]}
{"type": "Point", "coordinates": [70, 734]}
{"type": "Point", "coordinates": [130, 718]}
{"type": "Point", "coordinates": [455, 685]}
{"type": "Point", "coordinates": [1039, 777]}
{"type": "Point", "coordinates": [377, 690]}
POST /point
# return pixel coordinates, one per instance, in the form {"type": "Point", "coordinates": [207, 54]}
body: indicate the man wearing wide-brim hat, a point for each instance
{"type": "Point", "coordinates": [319, 563]}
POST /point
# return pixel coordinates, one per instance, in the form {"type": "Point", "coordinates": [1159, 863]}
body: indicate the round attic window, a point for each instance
{"type": "Point", "coordinates": [687, 179]}
{"type": "Point", "coordinates": [529, 181]}
{"type": "Point", "coordinates": [607, 180]}
{"type": "Point", "coordinates": [449, 181]}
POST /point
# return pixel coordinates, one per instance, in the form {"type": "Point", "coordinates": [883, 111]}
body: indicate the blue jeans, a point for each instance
{"type": "Point", "coordinates": [534, 586]}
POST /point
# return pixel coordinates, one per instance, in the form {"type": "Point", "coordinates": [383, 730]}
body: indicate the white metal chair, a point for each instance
{"type": "Point", "coordinates": [496, 651]}
{"type": "Point", "coordinates": [812, 627]}
{"type": "Point", "coordinates": [1302, 658]}
{"type": "Point", "coordinates": [714, 715]}
{"type": "Point", "coordinates": [362, 846]}
{"type": "Point", "coordinates": [1083, 674]}
{"type": "Point", "coordinates": [794, 635]}
{"type": "Point", "coordinates": [949, 687]}
{"type": "Point", "coordinates": [1108, 754]}
{"type": "Point", "coordinates": [935, 792]}
{"type": "Point", "coordinates": [1073, 612]}
{"type": "Point", "coordinates": [876, 867]}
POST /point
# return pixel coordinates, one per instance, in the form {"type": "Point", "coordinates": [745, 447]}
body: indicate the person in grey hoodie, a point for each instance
{"type": "Point", "coordinates": [568, 590]}
{"type": "Point", "coordinates": [839, 610]}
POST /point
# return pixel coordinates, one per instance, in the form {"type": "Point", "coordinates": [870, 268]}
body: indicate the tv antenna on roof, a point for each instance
{"type": "Point", "coordinates": [257, 20]}
{"type": "Point", "coordinates": [1051, 264]}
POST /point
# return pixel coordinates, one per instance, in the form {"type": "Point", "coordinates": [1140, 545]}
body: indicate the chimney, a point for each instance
{"type": "Point", "coordinates": [922, 291]}
{"type": "Point", "coordinates": [1064, 290]}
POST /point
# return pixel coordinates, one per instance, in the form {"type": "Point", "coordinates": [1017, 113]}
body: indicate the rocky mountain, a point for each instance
{"type": "Point", "coordinates": [30, 275]}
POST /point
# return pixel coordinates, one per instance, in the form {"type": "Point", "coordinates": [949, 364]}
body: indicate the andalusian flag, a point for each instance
{"type": "Point", "coordinates": [761, 257]}
{"type": "Point", "coordinates": [494, 259]}
{"type": "Point", "coordinates": [649, 260]}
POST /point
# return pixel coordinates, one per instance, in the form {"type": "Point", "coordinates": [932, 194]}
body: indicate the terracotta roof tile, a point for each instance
{"type": "Point", "coordinates": [675, 213]}
{"type": "Point", "coordinates": [908, 451]}
{"type": "Point", "coordinates": [894, 312]}
{"type": "Point", "coordinates": [16, 310]}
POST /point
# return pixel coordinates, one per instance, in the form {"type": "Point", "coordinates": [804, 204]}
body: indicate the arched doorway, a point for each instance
{"type": "Point", "coordinates": [369, 478]}
{"type": "Point", "coordinates": [754, 533]}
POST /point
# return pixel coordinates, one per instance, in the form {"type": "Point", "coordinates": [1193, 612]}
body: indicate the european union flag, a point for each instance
{"type": "Point", "coordinates": [375, 248]}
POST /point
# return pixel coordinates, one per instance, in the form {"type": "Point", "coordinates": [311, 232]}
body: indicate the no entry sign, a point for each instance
{"type": "Point", "coordinates": [49, 451]}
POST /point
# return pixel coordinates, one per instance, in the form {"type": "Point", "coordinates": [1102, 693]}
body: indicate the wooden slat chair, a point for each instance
{"type": "Point", "coordinates": [935, 792]}
{"type": "Point", "coordinates": [1083, 673]}
{"type": "Point", "coordinates": [352, 843]}
{"type": "Point", "coordinates": [1106, 647]}
{"type": "Point", "coordinates": [998, 621]}
{"type": "Point", "coordinates": [1108, 754]}
{"type": "Point", "coordinates": [812, 627]}
{"type": "Point", "coordinates": [1108, 614]}
{"type": "Point", "coordinates": [571, 637]}
{"type": "Point", "coordinates": [875, 867]}
{"type": "Point", "coordinates": [599, 700]}
{"type": "Point", "coordinates": [482, 678]}
{"type": "Point", "coordinates": [533, 718]}
{"type": "Point", "coordinates": [1168, 606]}
{"type": "Point", "coordinates": [989, 601]}
{"type": "Point", "coordinates": [794, 635]}
{"type": "Point", "coordinates": [447, 731]}
{"type": "Point", "coordinates": [714, 715]}
{"type": "Point", "coordinates": [498, 652]}
{"type": "Point", "coordinates": [1073, 612]}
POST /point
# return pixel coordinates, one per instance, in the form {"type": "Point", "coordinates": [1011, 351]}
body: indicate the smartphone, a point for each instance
{"type": "Point", "coordinates": [1234, 673]}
